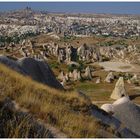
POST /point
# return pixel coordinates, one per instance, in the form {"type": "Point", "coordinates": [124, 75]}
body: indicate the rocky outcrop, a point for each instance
{"type": "Point", "coordinates": [75, 74]}
{"type": "Point", "coordinates": [119, 90]}
{"type": "Point", "coordinates": [11, 63]}
{"type": "Point", "coordinates": [36, 69]}
{"type": "Point", "coordinates": [125, 111]}
{"type": "Point", "coordinates": [88, 74]}
{"type": "Point", "coordinates": [129, 114]}
{"type": "Point", "coordinates": [106, 118]}
{"type": "Point", "coordinates": [109, 78]}
{"type": "Point", "coordinates": [108, 108]}
{"type": "Point", "coordinates": [61, 75]}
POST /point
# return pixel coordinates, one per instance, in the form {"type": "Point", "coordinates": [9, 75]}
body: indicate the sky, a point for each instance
{"type": "Point", "coordinates": [76, 7]}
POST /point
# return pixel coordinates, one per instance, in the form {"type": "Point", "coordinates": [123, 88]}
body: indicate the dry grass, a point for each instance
{"type": "Point", "coordinates": [65, 110]}
{"type": "Point", "coordinates": [17, 124]}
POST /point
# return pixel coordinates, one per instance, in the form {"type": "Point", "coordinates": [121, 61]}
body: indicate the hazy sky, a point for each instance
{"type": "Point", "coordinates": [79, 7]}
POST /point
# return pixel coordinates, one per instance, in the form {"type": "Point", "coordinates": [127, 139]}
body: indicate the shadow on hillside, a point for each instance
{"type": "Point", "coordinates": [132, 97]}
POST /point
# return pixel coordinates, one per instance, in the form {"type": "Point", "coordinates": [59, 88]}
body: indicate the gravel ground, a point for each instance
{"type": "Point", "coordinates": [120, 67]}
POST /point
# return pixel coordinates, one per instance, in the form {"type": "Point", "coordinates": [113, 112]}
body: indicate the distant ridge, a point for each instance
{"type": "Point", "coordinates": [30, 12]}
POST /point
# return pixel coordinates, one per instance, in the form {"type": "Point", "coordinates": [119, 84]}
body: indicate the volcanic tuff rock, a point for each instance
{"type": "Point", "coordinates": [109, 78]}
{"type": "Point", "coordinates": [129, 114]}
{"type": "Point", "coordinates": [88, 73]}
{"type": "Point", "coordinates": [120, 129]}
{"type": "Point", "coordinates": [11, 63]}
{"type": "Point", "coordinates": [119, 90]}
{"type": "Point", "coordinates": [126, 112]}
{"type": "Point", "coordinates": [38, 70]}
